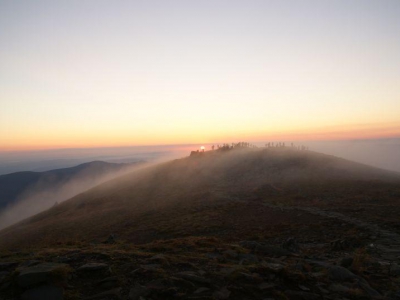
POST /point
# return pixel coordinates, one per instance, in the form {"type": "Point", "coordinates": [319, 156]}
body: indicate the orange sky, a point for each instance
{"type": "Point", "coordinates": [360, 131]}
{"type": "Point", "coordinates": [90, 74]}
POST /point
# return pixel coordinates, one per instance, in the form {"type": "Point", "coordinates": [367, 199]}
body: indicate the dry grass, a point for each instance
{"type": "Point", "coordinates": [361, 260]}
{"type": "Point", "coordinates": [215, 195]}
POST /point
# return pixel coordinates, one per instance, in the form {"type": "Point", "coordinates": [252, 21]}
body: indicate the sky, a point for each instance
{"type": "Point", "coordinates": [100, 73]}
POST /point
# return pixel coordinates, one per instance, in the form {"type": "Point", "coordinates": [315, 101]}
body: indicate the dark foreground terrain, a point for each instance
{"type": "Point", "coordinates": [237, 224]}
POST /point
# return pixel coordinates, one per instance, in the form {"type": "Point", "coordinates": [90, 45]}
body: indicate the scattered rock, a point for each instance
{"type": "Point", "coordinates": [303, 288]}
{"type": "Point", "coordinates": [227, 272]}
{"type": "Point", "coordinates": [265, 249]}
{"type": "Point", "coordinates": [150, 267]}
{"type": "Point", "coordinates": [394, 269]}
{"type": "Point", "coordinates": [3, 274]}
{"type": "Point", "coordinates": [214, 255]}
{"type": "Point", "coordinates": [271, 251]}
{"type": "Point", "coordinates": [223, 293]}
{"type": "Point", "coordinates": [346, 262]}
{"type": "Point", "coordinates": [111, 239]}
{"type": "Point", "coordinates": [158, 285]}
{"type": "Point", "coordinates": [113, 294]}
{"type": "Point", "coordinates": [367, 288]}
{"type": "Point", "coordinates": [48, 292]}
{"type": "Point", "coordinates": [42, 273]}
{"type": "Point", "coordinates": [291, 245]}
{"type": "Point", "coordinates": [6, 266]}
{"type": "Point", "coordinates": [273, 266]}
{"type": "Point", "coordinates": [340, 273]}
{"type": "Point", "coordinates": [5, 285]}
{"type": "Point", "coordinates": [266, 286]}
{"type": "Point", "coordinates": [250, 277]}
{"type": "Point", "coordinates": [192, 276]}
{"type": "Point", "coordinates": [249, 244]}
{"type": "Point", "coordinates": [338, 288]}
{"type": "Point", "coordinates": [340, 245]}
{"type": "Point", "coordinates": [298, 295]}
{"type": "Point", "coordinates": [93, 267]}
{"type": "Point", "coordinates": [183, 283]}
{"type": "Point", "coordinates": [247, 259]}
{"type": "Point", "coordinates": [29, 263]}
{"type": "Point", "coordinates": [160, 258]}
{"type": "Point", "coordinates": [137, 291]}
{"type": "Point", "coordinates": [108, 283]}
{"type": "Point", "coordinates": [201, 290]}
{"type": "Point", "coordinates": [230, 254]}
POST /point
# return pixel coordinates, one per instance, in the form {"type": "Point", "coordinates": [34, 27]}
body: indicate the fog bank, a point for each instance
{"type": "Point", "coordinates": [42, 195]}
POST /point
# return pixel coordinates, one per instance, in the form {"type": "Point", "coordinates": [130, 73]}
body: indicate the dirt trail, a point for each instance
{"type": "Point", "coordinates": [386, 244]}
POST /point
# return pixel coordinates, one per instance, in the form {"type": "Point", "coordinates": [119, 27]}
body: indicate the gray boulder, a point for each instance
{"type": "Point", "coordinates": [340, 273]}
{"type": "Point", "coordinates": [221, 294]}
{"type": "Point", "coordinates": [42, 273]}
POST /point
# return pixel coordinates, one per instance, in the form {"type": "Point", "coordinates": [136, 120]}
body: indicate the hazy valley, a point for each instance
{"type": "Point", "coordinates": [23, 194]}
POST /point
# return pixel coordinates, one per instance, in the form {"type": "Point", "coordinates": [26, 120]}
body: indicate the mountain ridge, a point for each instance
{"type": "Point", "coordinates": [210, 179]}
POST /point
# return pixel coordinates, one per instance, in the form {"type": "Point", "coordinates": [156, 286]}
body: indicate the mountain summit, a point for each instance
{"type": "Point", "coordinates": [196, 194]}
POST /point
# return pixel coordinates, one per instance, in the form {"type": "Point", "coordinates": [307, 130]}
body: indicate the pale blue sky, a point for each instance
{"type": "Point", "coordinates": [85, 73]}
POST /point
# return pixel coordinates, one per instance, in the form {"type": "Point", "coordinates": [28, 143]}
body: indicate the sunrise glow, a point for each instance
{"type": "Point", "coordinates": [90, 74]}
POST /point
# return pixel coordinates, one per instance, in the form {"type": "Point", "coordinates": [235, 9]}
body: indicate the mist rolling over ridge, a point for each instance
{"type": "Point", "coordinates": [24, 194]}
{"type": "Point", "coordinates": [382, 153]}
{"type": "Point", "coordinates": [212, 177]}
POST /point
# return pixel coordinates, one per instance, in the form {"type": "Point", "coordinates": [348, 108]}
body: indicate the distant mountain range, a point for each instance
{"type": "Point", "coordinates": [36, 191]}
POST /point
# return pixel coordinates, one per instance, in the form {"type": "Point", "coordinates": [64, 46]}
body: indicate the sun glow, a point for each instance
{"type": "Point", "coordinates": [268, 70]}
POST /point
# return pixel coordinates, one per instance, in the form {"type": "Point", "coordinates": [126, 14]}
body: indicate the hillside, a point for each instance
{"type": "Point", "coordinates": [41, 190]}
{"type": "Point", "coordinates": [134, 206]}
{"type": "Point", "coordinates": [237, 224]}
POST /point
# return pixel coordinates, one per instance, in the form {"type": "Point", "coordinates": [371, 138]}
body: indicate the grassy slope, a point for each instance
{"type": "Point", "coordinates": [218, 193]}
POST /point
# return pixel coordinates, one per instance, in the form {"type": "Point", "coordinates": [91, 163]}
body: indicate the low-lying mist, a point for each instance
{"type": "Point", "coordinates": [44, 160]}
{"type": "Point", "coordinates": [42, 196]}
{"type": "Point", "coordinates": [378, 153]}
{"type": "Point", "coordinates": [148, 203]}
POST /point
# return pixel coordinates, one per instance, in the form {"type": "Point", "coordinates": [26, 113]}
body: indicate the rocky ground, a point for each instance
{"type": "Point", "coordinates": [346, 259]}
